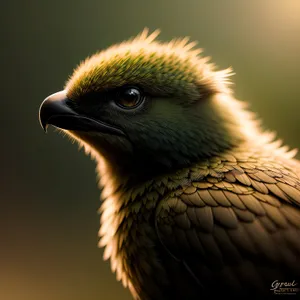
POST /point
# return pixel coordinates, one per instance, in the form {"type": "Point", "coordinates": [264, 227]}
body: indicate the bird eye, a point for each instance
{"type": "Point", "coordinates": [129, 97]}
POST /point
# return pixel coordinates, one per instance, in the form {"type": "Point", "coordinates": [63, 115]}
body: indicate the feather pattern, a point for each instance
{"type": "Point", "coordinates": [245, 216]}
{"type": "Point", "coordinates": [209, 228]}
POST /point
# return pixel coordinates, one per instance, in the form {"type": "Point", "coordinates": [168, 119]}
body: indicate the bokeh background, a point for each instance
{"type": "Point", "coordinates": [49, 197]}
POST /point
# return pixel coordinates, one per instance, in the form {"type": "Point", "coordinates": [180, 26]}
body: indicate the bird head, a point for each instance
{"type": "Point", "coordinates": [147, 105]}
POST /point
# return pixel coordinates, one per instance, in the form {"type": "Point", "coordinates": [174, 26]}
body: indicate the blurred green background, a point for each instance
{"type": "Point", "coordinates": [49, 197]}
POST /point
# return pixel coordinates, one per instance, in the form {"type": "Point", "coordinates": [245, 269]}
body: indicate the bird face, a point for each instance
{"type": "Point", "coordinates": [141, 103]}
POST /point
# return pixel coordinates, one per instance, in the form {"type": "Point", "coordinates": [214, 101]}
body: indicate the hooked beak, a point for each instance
{"type": "Point", "coordinates": [55, 111]}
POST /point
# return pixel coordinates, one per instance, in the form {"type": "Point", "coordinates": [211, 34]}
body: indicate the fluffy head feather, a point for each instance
{"type": "Point", "coordinates": [163, 69]}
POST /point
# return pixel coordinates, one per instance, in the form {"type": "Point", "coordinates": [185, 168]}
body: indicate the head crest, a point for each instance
{"type": "Point", "coordinates": [162, 68]}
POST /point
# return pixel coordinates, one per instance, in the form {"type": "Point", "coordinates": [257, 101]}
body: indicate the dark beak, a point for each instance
{"type": "Point", "coordinates": [55, 111]}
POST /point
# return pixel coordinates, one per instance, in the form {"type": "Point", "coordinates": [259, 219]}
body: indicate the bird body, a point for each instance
{"type": "Point", "coordinates": [231, 221]}
{"type": "Point", "coordinates": [197, 199]}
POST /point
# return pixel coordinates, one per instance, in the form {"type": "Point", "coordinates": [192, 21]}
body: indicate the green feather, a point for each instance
{"type": "Point", "coordinates": [163, 69]}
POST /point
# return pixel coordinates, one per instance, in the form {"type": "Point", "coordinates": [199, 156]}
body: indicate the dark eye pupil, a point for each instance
{"type": "Point", "coordinates": [129, 97]}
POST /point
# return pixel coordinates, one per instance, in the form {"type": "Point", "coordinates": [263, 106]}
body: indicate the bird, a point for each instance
{"type": "Point", "coordinates": [198, 199]}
